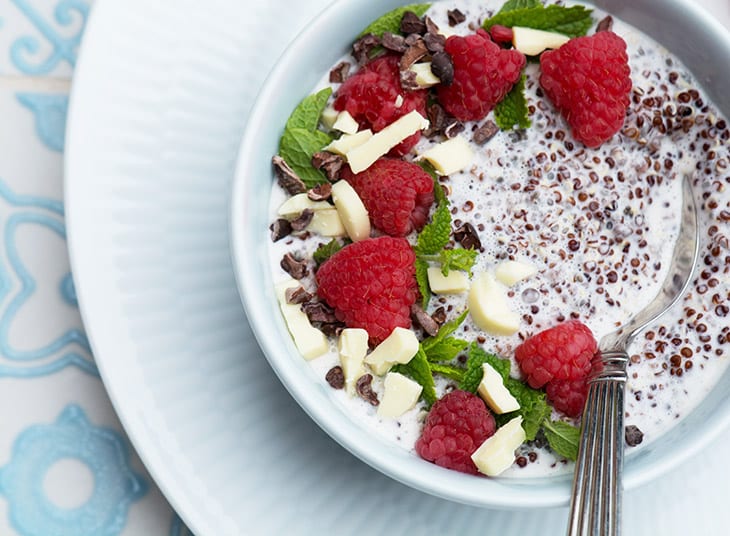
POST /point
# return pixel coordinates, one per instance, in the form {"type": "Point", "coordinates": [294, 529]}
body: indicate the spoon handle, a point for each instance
{"type": "Point", "coordinates": [595, 507]}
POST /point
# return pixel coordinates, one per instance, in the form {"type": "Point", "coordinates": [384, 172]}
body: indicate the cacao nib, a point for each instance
{"type": "Point", "coordinates": [485, 132]}
{"type": "Point", "coordinates": [412, 54]}
{"type": "Point", "coordinates": [335, 377]}
{"type": "Point", "coordinates": [300, 222]}
{"type": "Point", "coordinates": [321, 192]}
{"type": "Point", "coordinates": [434, 42]}
{"type": "Point", "coordinates": [280, 229]}
{"type": "Point", "coordinates": [467, 236]}
{"type": "Point", "coordinates": [394, 42]}
{"type": "Point", "coordinates": [439, 315]}
{"type": "Point", "coordinates": [297, 295]}
{"type": "Point", "coordinates": [412, 23]}
{"type": "Point", "coordinates": [634, 436]}
{"type": "Point", "coordinates": [442, 67]}
{"type": "Point", "coordinates": [340, 72]}
{"type": "Point", "coordinates": [328, 162]}
{"type": "Point", "coordinates": [293, 266]}
{"type": "Point", "coordinates": [424, 320]}
{"type": "Point", "coordinates": [605, 24]}
{"type": "Point", "coordinates": [365, 389]}
{"type": "Point", "coordinates": [455, 17]}
{"type": "Point", "coordinates": [287, 179]}
{"type": "Point", "coordinates": [454, 129]}
{"type": "Point", "coordinates": [362, 48]}
{"type": "Point", "coordinates": [318, 311]}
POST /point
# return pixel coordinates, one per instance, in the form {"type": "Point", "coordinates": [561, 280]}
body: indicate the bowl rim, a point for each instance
{"type": "Point", "coordinates": [416, 473]}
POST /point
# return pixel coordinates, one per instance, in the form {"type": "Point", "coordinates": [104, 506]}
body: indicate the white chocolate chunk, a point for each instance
{"type": "Point", "coordinates": [398, 347]}
{"type": "Point", "coordinates": [532, 42]}
{"type": "Point", "coordinates": [401, 394]}
{"type": "Point", "coordinates": [424, 75]}
{"type": "Point", "coordinates": [494, 393]}
{"type": "Point", "coordinates": [511, 272]}
{"type": "Point", "coordinates": [310, 341]}
{"type": "Point", "coordinates": [352, 347]}
{"type": "Point", "coordinates": [327, 223]}
{"type": "Point", "coordinates": [454, 283]}
{"type": "Point", "coordinates": [489, 308]}
{"type": "Point", "coordinates": [347, 142]}
{"type": "Point", "coordinates": [497, 453]}
{"type": "Point", "coordinates": [449, 156]}
{"type": "Point", "coordinates": [346, 123]}
{"type": "Point", "coordinates": [295, 205]}
{"type": "Point", "coordinates": [361, 157]}
{"type": "Point", "coordinates": [352, 211]}
{"type": "Point", "coordinates": [328, 117]}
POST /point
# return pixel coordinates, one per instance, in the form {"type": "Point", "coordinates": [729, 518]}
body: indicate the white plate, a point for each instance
{"type": "Point", "coordinates": [161, 93]}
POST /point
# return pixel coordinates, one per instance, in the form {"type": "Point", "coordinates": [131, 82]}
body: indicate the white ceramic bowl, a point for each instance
{"type": "Point", "coordinates": [689, 33]}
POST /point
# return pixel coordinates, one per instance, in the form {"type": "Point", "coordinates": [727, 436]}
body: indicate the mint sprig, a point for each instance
{"type": "Point", "coordinates": [572, 21]}
{"type": "Point", "coordinates": [476, 357]}
{"type": "Point", "coordinates": [390, 21]}
{"type": "Point", "coordinates": [562, 437]}
{"type": "Point", "coordinates": [301, 139]}
{"type": "Point", "coordinates": [511, 5]}
{"type": "Point", "coordinates": [442, 347]}
{"type": "Point", "coordinates": [512, 110]}
{"type": "Point", "coordinates": [434, 236]}
{"type": "Point", "coordinates": [430, 247]}
{"type": "Point", "coordinates": [307, 113]}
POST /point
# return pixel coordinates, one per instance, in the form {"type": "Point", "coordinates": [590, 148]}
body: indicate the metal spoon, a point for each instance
{"type": "Point", "coordinates": [595, 506]}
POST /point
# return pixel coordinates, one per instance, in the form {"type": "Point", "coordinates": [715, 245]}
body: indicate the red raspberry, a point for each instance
{"type": "Point", "coordinates": [563, 352]}
{"type": "Point", "coordinates": [397, 194]}
{"type": "Point", "coordinates": [483, 74]}
{"type": "Point", "coordinates": [371, 284]}
{"type": "Point", "coordinates": [456, 426]}
{"type": "Point", "coordinates": [568, 396]}
{"type": "Point", "coordinates": [588, 80]}
{"type": "Point", "coordinates": [370, 96]}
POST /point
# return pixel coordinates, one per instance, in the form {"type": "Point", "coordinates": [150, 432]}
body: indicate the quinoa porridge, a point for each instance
{"type": "Point", "coordinates": [595, 225]}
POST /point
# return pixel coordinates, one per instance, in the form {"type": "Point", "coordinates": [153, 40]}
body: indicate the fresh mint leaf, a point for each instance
{"type": "Point", "coordinates": [422, 280]}
{"type": "Point", "coordinates": [454, 373]}
{"type": "Point", "coordinates": [533, 407]}
{"type": "Point", "coordinates": [390, 22]}
{"type": "Point", "coordinates": [446, 350]}
{"type": "Point", "coordinates": [512, 110]}
{"type": "Point", "coordinates": [297, 146]}
{"type": "Point", "coordinates": [457, 259]}
{"type": "Point", "coordinates": [435, 235]}
{"type": "Point", "coordinates": [442, 347]}
{"type": "Point", "coordinates": [571, 21]}
{"type": "Point", "coordinates": [325, 251]}
{"type": "Point", "coordinates": [307, 113]}
{"type": "Point", "coordinates": [511, 5]}
{"type": "Point", "coordinates": [445, 330]}
{"type": "Point", "coordinates": [476, 358]}
{"type": "Point", "coordinates": [419, 370]}
{"type": "Point", "coordinates": [563, 438]}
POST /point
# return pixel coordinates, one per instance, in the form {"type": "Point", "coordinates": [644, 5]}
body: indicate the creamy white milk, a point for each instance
{"type": "Point", "coordinates": [600, 225]}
